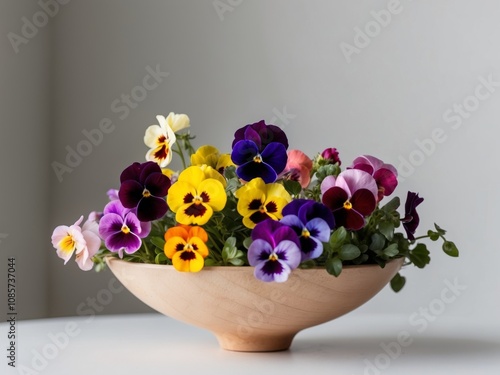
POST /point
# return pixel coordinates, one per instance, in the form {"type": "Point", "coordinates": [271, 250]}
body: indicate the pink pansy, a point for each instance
{"type": "Point", "coordinates": [351, 197]}
{"type": "Point", "coordinates": [385, 175]}
{"type": "Point", "coordinates": [85, 242]}
{"type": "Point", "coordinates": [298, 168]}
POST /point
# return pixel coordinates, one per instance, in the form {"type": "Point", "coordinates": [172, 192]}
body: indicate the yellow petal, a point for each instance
{"type": "Point", "coordinates": [212, 173]}
{"type": "Point", "coordinates": [214, 191]}
{"type": "Point", "coordinates": [179, 193]}
{"type": "Point", "coordinates": [277, 190]}
{"type": "Point", "coordinates": [202, 249]}
{"type": "Point", "coordinates": [224, 161]}
{"type": "Point", "coordinates": [192, 265]}
{"type": "Point", "coordinates": [171, 246]}
{"type": "Point", "coordinates": [185, 218]}
{"type": "Point", "coordinates": [194, 175]}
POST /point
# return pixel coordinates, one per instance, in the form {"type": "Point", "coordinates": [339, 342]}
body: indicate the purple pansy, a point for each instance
{"type": "Point", "coordinates": [385, 175]}
{"type": "Point", "coordinates": [312, 222]}
{"type": "Point", "coordinates": [121, 230]}
{"type": "Point", "coordinates": [351, 196]}
{"type": "Point", "coordinates": [411, 219]}
{"type": "Point", "coordinates": [262, 134]}
{"type": "Point", "coordinates": [259, 150]}
{"type": "Point", "coordinates": [144, 187]}
{"type": "Point", "coordinates": [275, 251]}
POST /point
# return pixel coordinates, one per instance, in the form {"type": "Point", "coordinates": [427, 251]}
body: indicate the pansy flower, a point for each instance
{"type": "Point", "coordinates": [411, 219]}
{"type": "Point", "coordinates": [385, 175]}
{"type": "Point", "coordinates": [195, 196]}
{"type": "Point", "coordinates": [312, 222]}
{"type": "Point", "coordinates": [274, 251]}
{"type": "Point", "coordinates": [185, 245]}
{"type": "Point", "coordinates": [84, 241]}
{"type": "Point", "coordinates": [298, 168]}
{"type": "Point", "coordinates": [259, 150]}
{"type": "Point", "coordinates": [144, 187]}
{"type": "Point", "coordinates": [261, 133]}
{"type": "Point", "coordinates": [121, 229]}
{"type": "Point", "coordinates": [351, 196]}
{"type": "Point", "coordinates": [258, 201]}
{"type": "Point", "coordinates": [160, 138]}
{"type": "Point", "coordinates": [209, 155]}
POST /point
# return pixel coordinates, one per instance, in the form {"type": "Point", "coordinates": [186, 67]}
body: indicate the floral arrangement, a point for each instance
{"type": "Point", "coordinates": [262, 205]}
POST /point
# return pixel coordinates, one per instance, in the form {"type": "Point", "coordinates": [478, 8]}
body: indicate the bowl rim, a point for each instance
{"type": "Point", "coordinates": [112, 258]}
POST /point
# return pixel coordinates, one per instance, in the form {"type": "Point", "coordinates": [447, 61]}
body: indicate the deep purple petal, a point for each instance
{"type": "Point", "coordinates": [243, 152]}
{"type": "Point", "coordinates": [334, 198]}
{"type": "Point", "coordinates": [258, 251]}
{"type": "Point", "coordinates": [252, 135]}
{"type": "Point", "coordinates": [129, 242]}
{"type": "Point", "coordinates": [132, 172]}
{"type": "Point", "coordinates": [151, 208]}
{"type": "Point", "coordinates": [147, 169]}
{"type": "Point", "coordinates": [411, 219]}
{"type": "Point", "coordinates": [293, 207]}
{"type": "Point", "coordinates": [145, 229]}
{"type": "Point", "coordinates": [275, 155]}
{"type": "Point", "coordinates": [364, 202]}
{"type": "Point", "coordinates": [252, 169]}
{"type": "Point", "coordinates": [313, 210]}
{"type": "Point", "coordinates": [130, 193]}
{"type": "Point", "coordinates": [265, 230]}
{"type": "Point", "coordinates": [132, 222]}
{"type": "Point", "coordinates": [157, 184]}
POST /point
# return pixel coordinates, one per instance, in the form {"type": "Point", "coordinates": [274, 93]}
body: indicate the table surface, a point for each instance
{"type": "Point", "coordinates": [155, 344]}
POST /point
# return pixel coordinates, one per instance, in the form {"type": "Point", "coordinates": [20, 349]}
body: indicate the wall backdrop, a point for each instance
{"type": "Point", "coordinates": [414, 83]}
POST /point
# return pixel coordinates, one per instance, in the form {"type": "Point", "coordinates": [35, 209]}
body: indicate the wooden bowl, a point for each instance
{"type": "Point", "coordinates": [244, 313]}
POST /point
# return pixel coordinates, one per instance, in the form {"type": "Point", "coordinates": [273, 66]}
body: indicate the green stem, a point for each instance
{"type": "Point", "coordinates": [181, 154]}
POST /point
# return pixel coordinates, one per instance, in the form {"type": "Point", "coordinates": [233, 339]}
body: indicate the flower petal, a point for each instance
{"type": "Point", "coordinates": [275, 155]}
{"type": "Point", "coordinates": [243, 152]}
{"type": "Point", "coordinates": [252, 169]}
{"type": "Point", "coordinates": [364, 202]}
{"type": "Point", "coordinates": [151, 208]}
{"type": "Point", "coordinates": [213, 193]}
{"type": "Point", "coordinates": [258, 251]}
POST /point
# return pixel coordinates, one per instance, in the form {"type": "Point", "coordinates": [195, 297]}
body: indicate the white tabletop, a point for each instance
{"type": "Point", "coordinates": [153, 344]}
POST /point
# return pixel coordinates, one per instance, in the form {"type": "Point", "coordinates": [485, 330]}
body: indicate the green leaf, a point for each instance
{"type": "Point", "coordinates": [434, 236]}
{"type": "Point", "coordinates": [210, 262]}
{"type": "Point", "coordinates": [391, 250]}
{"type": "Point", "coordinates": [236, 262]}
{"type": "Point", "coordinates": [338, 238]}
{"type": "Point", "coordinates": [398, 282]}
{"type": "Point", "coordinates": [231, 242]}
{"type": "Point", "coordinates": [247, 242]}
{"type": "Point", "coordinates": [158, 242]}
{"type": "Point", "coordinates": [378, 242]}
{"type": "Point", "coordinates": [419, 256]}
{"type": "Point", "coordinates": [440, 230]}
{"type": "Point", "coordinates": [334, 266]}
{"type": "Point", "coordinates": [349, 252]}
{"type": "Point", "coordinates": [392, 205]}
{"type": "Point", "coordinates": [293, 187]}
{"type": "Point", "coordinates": [160, 258]}
{"type": "Point", "coordinates": [450, 248]}
{"type": "Point", "coordinates": [387, 229]}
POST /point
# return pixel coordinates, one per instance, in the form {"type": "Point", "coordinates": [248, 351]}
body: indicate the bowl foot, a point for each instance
{"type": "Point", "coordinates": [255, 343]}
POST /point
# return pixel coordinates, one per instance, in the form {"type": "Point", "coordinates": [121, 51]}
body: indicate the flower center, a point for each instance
{"type": "Point", "coordinates": [273, 257]}
{"type": "Point", "coordinates": [347, 205]}
{"type": "Point", "coordinates": [197, 200]}
{"type": "Point", "coordinates": [188, 247]}
{"type": "Point", "coordinates": [262, 209]}
{"type": "Point", "coordinates": [125, 229]}
{"type": "Point", "coordinates": [146, 193]}
{"type": "Point", "coordinates": [67, 243]}
{"type": "Point", "coordinates": [306, 233]}
{"type": "Point", "coordinates": [257, 158]}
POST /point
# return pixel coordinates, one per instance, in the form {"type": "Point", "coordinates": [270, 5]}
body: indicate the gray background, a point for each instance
{"type": "Point", "coordinates": [251, 62]}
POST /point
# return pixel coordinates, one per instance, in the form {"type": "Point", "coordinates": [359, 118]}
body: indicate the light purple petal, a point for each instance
{"type": "Point", "coordinates": [294, 222]}
{"type": "Point", "coordinates": [272, 271]}
{"type": "Point", "coordinates": [320, 228]}
{"type": "Point", "coordinates": [115, 207]}
{"type": "Point", "coordinates": [352, 180]}
{"type": "Point", "coordinates": [328, 182]}
{"type": "Point", "coordinates": [259, 251]}
{"type": "Point", "coordinates": [110, 223]}
{"type": "Point", "coordinates": [289, 252]}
